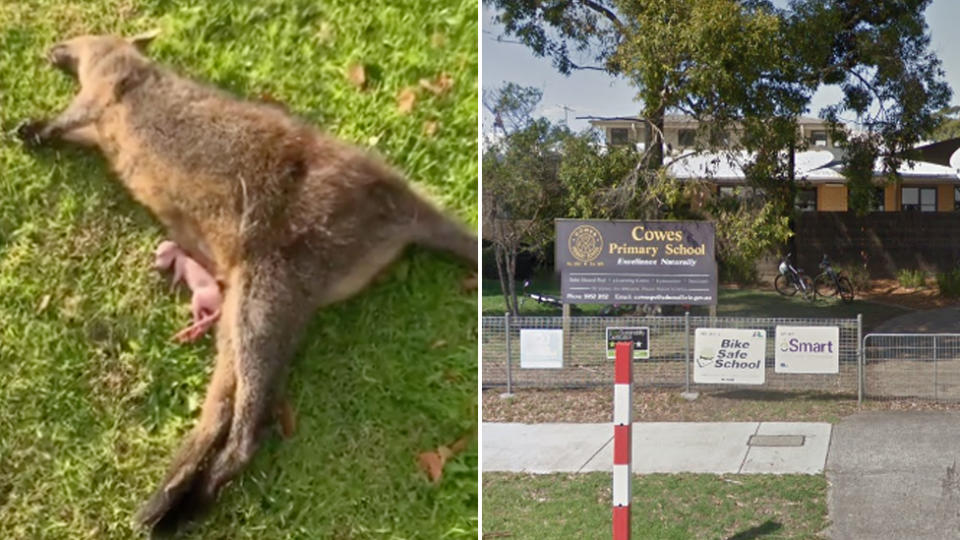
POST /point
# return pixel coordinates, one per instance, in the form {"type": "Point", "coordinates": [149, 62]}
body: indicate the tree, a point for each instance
{"type": "Point", "coordinates": [596, 180]}
{"type": "Point", "coordinates": [521, 194]}
{"type": "Point", "coordinates": [879, 56]}
{"type": "Point", "coordinates": [747, 66]}
{"type": "Point", "coordinates": [717, 60]}
{"type": "Point", "coordinates": [511, 105]}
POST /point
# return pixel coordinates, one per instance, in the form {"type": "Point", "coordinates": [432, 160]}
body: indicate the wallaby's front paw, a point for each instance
{"type": "Point", "coordinates": [31, 132]}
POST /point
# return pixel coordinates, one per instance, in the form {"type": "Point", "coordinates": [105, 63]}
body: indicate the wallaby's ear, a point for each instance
{"type": "Point", "coordinates": [143, 39]}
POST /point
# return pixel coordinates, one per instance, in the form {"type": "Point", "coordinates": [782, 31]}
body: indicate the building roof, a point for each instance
{"type": "Point", "coordinates": [814, 166]}
{"type": "Point", "coordinates": [678, 119]}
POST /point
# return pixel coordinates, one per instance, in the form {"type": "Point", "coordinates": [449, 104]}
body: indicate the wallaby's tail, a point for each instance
{"type": "Point", "coordinates": [435, 230]}
{"type": "Point", "coordinates": [262, 318]}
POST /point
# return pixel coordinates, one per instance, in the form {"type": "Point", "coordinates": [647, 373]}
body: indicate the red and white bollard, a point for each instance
{"type": "Point", "coordinates": [623, 380]}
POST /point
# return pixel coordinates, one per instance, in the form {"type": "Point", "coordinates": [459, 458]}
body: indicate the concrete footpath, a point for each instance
{"type": "Point", "coordinates": [660, 447]}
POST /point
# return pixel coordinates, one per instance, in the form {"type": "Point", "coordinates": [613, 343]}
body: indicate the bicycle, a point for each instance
{"type": "Point", "coordinates": [830, 282]}
{"type": "Point", "coordinates": [544, 299]}
{"type": "Point", "coordinates": [791, 279]}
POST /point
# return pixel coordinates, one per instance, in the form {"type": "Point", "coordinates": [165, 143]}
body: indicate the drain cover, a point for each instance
{"type": "Point", "coordinates": [775, 440]}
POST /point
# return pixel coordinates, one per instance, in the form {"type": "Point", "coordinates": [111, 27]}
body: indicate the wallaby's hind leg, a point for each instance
{"type": "Point", "coordinates": [263, 314]}
{"type": "Point", "coordinates": [271, 317]}
{"type": "Point", "coordinates": [204, 439]}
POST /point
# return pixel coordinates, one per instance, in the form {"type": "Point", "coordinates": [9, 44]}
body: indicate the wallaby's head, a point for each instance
{"type": "Point", "coordinates": [80, 55]}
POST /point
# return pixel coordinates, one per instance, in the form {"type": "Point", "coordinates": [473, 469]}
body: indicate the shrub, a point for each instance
{"type": "Point", "coordinates": [911, 279]}
{"type": "Point", "coordinates": [739, 271]}
{"type": "Point", "coordinates": [858, 275]}
{"type": "Point", "coordinates": [949, 283]}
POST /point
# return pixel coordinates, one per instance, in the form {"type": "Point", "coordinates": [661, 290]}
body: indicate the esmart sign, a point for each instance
{"type": "Point", "coordinates": [807, 349]}
{"type": "Point", "coordinates": [729, 356]}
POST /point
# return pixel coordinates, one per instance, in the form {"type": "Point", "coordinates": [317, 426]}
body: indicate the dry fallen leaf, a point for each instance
{"type": "Point", "coordinates": [406, 99]}
{"type": "Point", "coordinates": [439, 343]}
{"type": "Point", "coordinates": [44, 302]}
{"type": "Point", "coordinates": [357, 75]}
{"type": "Point", "coordinates": [429, 128]}
{"type": "Point", "coordinates": [286, 418]}
{"type": "Point", "coordinates": [439, 86]}
{"type": "Point", "coordinates": [432, 462]}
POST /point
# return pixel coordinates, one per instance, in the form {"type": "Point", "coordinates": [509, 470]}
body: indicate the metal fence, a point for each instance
{"type": "Point", "coordinates": [671, 347]}
{"type": "Point", "coordinates": [923, 366]}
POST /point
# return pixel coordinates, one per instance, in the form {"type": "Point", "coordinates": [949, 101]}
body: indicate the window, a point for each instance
{"type": "Point", "coordinates": [878, 201]}
{"type": "Point", "coordinates": [956, 198]}
{"type": "Point", "coordinates": [687, 137]}
{"type": "Point", "coordinates": [619, 136]}
{"type": "Point", "coordinates": [743, 193]}
{"type": "Point", "coordinates": [818, 138]}
{"type": "Point", "coordinates": [806, 200]}
{"type": "Point", "coordinates": [918, 199]}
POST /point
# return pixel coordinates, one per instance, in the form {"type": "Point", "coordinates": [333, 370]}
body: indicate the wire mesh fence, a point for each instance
{"type": "Point", "coordinates": [671, 341]}
{"type": "Point", "coordinates": [925, 366]}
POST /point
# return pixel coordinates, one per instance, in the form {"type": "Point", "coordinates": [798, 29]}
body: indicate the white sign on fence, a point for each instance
{"type": "Point", "coordinates": [807, 349]}
{"type": "Point", "coordinates": [729, 356]}
{"type": "Point", "coordinates": [541, 349]}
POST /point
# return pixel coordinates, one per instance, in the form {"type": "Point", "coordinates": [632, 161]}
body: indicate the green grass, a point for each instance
{"type": "Point", "coordinates": [94, 397]}
{"type": "Point", "coordinates": [665, 507]}
{"type": "Point", "coordinates": [732, 303]}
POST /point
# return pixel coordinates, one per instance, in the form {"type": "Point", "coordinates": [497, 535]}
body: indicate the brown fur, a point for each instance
{"type": "Point", "coordinates": [287, 218]}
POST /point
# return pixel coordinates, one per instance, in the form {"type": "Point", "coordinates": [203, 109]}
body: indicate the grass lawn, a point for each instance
{"type": "Point", "coordinates": [732, 303]}
{"type": "Point", "coordinates": [94, 397]}
{"type": "Point", "coordinates": [678, 506]}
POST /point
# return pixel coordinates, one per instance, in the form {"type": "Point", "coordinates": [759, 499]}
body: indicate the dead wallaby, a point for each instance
{"type": "Point", "coordinates": [286, 218]}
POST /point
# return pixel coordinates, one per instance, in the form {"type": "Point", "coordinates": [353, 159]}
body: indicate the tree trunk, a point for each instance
{"type": "Point", "coordinates": [656, 141]}
{"type": "Point", "coordinates": [512, 278]}
{"type": "Point", "coordinates": [499, 251]}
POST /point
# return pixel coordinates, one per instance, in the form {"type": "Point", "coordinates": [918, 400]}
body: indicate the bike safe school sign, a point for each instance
{"type": "Point", "coordinates": [729, 356]}
{"type": "Point", "coordinates": [636, 262]}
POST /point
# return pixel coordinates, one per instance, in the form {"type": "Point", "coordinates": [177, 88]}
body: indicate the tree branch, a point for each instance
{"type": "Point", "coordinates": [606, 12]}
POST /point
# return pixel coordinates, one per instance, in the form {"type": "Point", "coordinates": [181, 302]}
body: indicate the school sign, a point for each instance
{"type": "Point", "coordinates": [636, 262]}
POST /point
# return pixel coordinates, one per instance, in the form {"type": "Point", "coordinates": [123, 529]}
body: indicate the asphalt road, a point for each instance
{"type": "Point", "coordinates": [895, 475]}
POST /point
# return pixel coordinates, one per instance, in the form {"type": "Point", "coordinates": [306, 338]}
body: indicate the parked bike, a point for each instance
{"type": "Point", "coordinates": [830, 282]}
{"type": "Point", "coordinates": [792, 279]}
{"type": "Point", "coordinates": [544, 299]}
{"type": "Point", "coordinates": [609, 310]}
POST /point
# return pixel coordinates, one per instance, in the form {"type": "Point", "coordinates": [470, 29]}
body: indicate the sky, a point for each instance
{"type": "Point", "coordinates": [591, 93]}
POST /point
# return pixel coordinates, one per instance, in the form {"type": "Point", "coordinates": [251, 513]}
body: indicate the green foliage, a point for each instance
{"type": "Point", "coordinates": [94, 396]}
{"type": "Point", "coordinates": [521, 192]}
{"type": "Point", "coordinates": [949, 124]}
{"type": "Point", "coordinates": [597, 182]}
{"type": "Point", "coordinates": [745, 231]}
{"type": "Point", "coordinates": [511, 105]}
{"type": "Point", "coordinates": [858, 168]}
{"type": "Point", "coordinates": [911, 279]}
{"type": "Point", "coordinates": [878, 53]}
{"type": "Point", "coordinates": [949, 283]}
{"type": "Point", "coordinates": [858, 274]}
